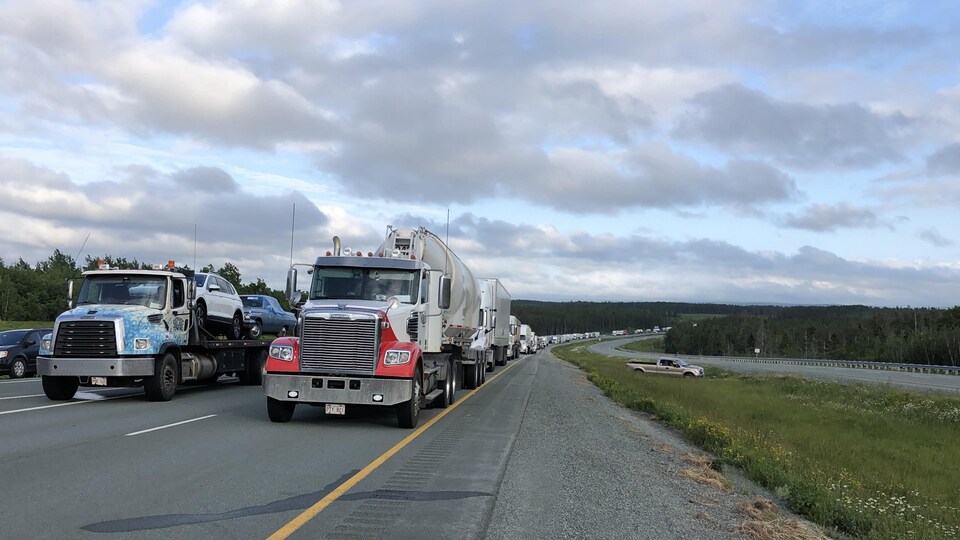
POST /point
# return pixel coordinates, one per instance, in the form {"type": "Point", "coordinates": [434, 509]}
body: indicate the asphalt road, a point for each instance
{"type": "Point", "coordinates": [537, 452]}
{"type": "Point", "coordinates": [916, 382]}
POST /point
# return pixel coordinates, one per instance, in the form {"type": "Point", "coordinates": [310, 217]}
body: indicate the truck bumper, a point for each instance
{"type": "Point", "coordinates": [321, 389]}
{"type": "Point", "coordinates": [95, 367]}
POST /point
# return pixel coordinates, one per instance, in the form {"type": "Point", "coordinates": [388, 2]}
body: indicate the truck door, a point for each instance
{"type": "Point", "coordinates": [179, 311]}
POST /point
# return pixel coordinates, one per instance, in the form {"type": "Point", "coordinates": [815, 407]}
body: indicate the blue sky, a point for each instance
{"type": "Point", "coordinates": [746, 151]}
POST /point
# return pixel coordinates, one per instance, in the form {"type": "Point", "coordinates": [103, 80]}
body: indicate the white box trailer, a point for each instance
{"type": "Point", "coordinates": [495, 320]}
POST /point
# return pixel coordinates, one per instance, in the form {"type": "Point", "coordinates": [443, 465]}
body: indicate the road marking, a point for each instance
{"type": "Point", "coordinates": [14, 381]}
{"type": "Point", "coordinates": [21, 397]}
{"type": "Point", "coordinates": [169, 425]}
{"type": "Point", "coordinates": [59, 405]}
{"type": "Point", "coordinates": [341, 490]}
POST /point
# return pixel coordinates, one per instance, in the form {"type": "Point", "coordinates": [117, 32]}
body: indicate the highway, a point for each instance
{"type": "Point", "coordinates": [537, 452]}
{"type": "Point", "coordinates": [915, 382]}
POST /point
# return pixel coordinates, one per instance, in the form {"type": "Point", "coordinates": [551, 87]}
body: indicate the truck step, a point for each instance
{"type": "Point", "coordinates": [433, 395]}
{"type": "Point", "coordinates": [431, 370]}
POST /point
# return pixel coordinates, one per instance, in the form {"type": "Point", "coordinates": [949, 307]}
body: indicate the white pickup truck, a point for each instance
{"type": "Point", "coordinates": [666, 366]}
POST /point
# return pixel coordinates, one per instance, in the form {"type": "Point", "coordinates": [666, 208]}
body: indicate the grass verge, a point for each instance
{"type": "Point", "coordinates": [18, 325]}
{"type": "Point", "coordinates": [654, 345]}
{"type": "Point", "coordinates": [862, 461]}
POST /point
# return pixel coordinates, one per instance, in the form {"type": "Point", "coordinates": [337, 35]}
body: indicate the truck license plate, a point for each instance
{"type": "Point", "coordinates": [98, 381]}
{"type": "Point", "coordinates": [335, 409]}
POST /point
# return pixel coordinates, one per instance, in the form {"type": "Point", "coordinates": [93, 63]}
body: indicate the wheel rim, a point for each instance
{"type": "Point", "coordinates": [201, 315]}
{"type": "Point", "coordinates": [169, 378]}
{"type": "Point", "coordinates": [256, 331]}
{"type": "Point", "coordinates": [237, 327]}
{"type": "Point", "coordinates": [18, 369]}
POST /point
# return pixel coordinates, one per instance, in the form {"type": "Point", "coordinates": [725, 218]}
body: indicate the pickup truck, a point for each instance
{"type": "Point", "coordinates": [666, 366]}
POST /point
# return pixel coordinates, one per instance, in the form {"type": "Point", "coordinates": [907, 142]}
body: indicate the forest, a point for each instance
{"type": "Point", "coordinates": [900, 334]}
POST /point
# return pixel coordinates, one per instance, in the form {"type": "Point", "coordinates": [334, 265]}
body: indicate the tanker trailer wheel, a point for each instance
{"type": "Point", "coordinates": [60, 388]}
{"type": "Point", "coordinates": [280, 411]}
{"type": "Point", "coordinates": [163, 384]}
{"type": "Point", "coordinates": [470, 375]}
{"type": "Point", "coordinates": [408, 413]}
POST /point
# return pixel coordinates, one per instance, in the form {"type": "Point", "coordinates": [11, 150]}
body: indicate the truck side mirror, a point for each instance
{"type": "Point", "coordinates": [292, 285]}
{"type": "Point", "coordinates": [446, 283]}
{"type": "Point", "coordinates": [69, 293]}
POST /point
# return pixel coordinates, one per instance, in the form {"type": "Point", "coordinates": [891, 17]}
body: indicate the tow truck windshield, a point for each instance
{"type": "Point", "coordinates": [133, 290]}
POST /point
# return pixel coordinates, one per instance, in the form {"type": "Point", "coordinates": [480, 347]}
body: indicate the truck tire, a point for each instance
{"type": "Point", "coordinates": [280, 411]}
{"type": "Point", "coordinates": [163, 384]}
{"type": "Point", "coordinates": [18, 368]}
{"type": "Point", "coordinates": [449, 386]}
{"type": "Point", "coordinates": [60, 388]}
{"type": "Point", "coordinates": [685, 375]}
{"type": "Point", "coordinates": [408, 413]}
{"type": "Point", "coordinates": [470, 376]}
{"type": "Point", "coordinates": [252, 374]}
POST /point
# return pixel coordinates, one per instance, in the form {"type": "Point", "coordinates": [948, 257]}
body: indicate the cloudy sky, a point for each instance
{"type": "Point", "coordinates": [737, 151]}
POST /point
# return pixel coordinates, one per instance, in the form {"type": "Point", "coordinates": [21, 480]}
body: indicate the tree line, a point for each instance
{"type": "Point", "coordinates": [39, 292]}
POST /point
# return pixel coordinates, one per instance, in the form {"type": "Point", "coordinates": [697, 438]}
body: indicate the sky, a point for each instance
{"type": "Point", "coordinates": [741, 151]}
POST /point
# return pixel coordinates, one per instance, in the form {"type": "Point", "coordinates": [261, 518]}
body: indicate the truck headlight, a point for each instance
{"type": "Point", "coordinates": [282, 352]}
{"type": "Point", "coordinates": [396, 358]}
{"type": "Point", "coordinates": [141, 344]}
{"type": "Point", "coordinates": [46, 344]}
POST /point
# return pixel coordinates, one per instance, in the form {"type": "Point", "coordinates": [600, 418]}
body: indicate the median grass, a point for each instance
{"type": "Point", "coordinates": [652, 345]}
{"type": "Point", "coordinates": [19, 325]}
{"type": "Point", "coordinates": [862, 461]}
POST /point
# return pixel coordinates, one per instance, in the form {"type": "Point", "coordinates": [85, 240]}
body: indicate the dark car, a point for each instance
{"type": "Point", "coordinates": [263, 314]}
{"type": "Point", "coordinates": [18, 351]}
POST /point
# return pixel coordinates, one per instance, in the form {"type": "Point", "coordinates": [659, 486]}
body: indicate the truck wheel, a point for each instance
{"type": "Point", "coordinates": [280, 411]}
{"type": "Point", "coordinates": [163, 384]}
{"type": "Point", "coordinates": [236, 326]}
{"type": "Point", "coordinates": [685, 375]}
{"type": "Point", "coordinates": [408, 414]}
{"type": "Point", "coordinates": [60, 388]}
{"type": "Point", "coordinates": [449, 386]}
{"type": "Point", "coordinates": [18, 368]}
{"type": "Point", "coordinates": [470, 375]}
{"type": "Point", "coordinates": [255, 331]}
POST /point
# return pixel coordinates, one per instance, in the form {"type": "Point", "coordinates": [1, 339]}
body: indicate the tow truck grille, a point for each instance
{"type": "Point", "coordinates": [86, 339]}
{"type": "Point", "coordinates": [340, 345]}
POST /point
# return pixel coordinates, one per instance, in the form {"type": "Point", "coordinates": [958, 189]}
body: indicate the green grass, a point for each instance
{"type": "Point", "coordinates": [863, 461]}
{"type": "Point", "coordinates": [654, 345]}
{"type": "Point", "coordinates": [17, 325]}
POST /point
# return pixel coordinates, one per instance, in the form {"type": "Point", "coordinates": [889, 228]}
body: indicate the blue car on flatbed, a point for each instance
{"type": "Point", "coordinates": [263, 314]}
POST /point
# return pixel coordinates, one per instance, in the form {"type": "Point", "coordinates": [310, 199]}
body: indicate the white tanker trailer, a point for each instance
{"type": "Point", "coordinates": [391, 328]}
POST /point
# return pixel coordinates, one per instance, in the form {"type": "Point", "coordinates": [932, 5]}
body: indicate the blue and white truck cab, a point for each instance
{"type": "Point", "coordinates": [134, 328]}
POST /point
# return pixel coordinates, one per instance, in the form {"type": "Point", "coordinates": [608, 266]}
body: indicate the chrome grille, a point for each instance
{"type": "Point", "coordinates": [86, 339]}
{"type": "Point", "coordinates": [413, 329]}
{"type": "Point", "coordinates": [340, 343]}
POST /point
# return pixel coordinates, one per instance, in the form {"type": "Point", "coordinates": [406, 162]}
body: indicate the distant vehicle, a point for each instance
{"type": "Point", "coordinates": [18, 351]}
{"type": "Point", "coordinates": [666, 366]}
{"type": "Point", "coordinates": [218, 305]}
{"type": "Point", "coordinates": [619, 332]}
{"type": "Point", "coordinates": [263, 314]}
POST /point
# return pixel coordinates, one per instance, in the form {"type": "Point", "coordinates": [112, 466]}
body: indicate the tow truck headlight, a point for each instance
{"type": "Point", "coordinates": [141, 344]}
{"type": "Point", "coordinates": [46, 344]}
{"type": "Point", "coordinates": [396, 358]}
{"type": "Point", "coordinates": [282, 352]}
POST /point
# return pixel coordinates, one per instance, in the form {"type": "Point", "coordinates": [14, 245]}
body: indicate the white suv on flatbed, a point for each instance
{"type": "Point", "coordinates": [218, 306]}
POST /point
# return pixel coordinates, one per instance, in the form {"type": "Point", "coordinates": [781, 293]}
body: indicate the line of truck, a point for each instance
{"type": "Point", "coordinates": [406, 326]}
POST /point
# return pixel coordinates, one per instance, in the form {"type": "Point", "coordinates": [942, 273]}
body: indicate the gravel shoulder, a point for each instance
{"type": "Point", "coordinates": [582, 466]}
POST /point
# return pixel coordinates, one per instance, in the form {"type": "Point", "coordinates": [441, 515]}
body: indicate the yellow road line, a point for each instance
{"type": "Point", "coordinates": [320, 505]}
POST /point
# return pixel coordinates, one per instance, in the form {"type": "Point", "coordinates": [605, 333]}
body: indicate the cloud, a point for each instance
{"type": "Point", "coordinates": [831, 217]}
{"type": "Point", "coordinates": [152, 216]}
{"type": "Point", "coordinates": [737, 119]}
{"type": "Point", "coordinates": [933, 237]}
{"type": "Point", "coordinates": [945, 161]}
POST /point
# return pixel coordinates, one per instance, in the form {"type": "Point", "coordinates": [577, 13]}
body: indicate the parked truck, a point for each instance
{"type": "Point", "coordinates": [526, 343]}
{"type": "Point", "coordinates": [134, 328]}
{"type": "Point", "coordinates": [675, 367]}
{"type": "Point", "coordinates": [393, 328]}
{"type": "Point", "coordinates": [494, 331]}
{"type": "Point", "coordinates": [513, 350]}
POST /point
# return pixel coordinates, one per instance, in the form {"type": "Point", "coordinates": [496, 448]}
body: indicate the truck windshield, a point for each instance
{"type": "Point", "coordinates": [331, 283]}
{"type": "Point", "coordinates": [133, 290]}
